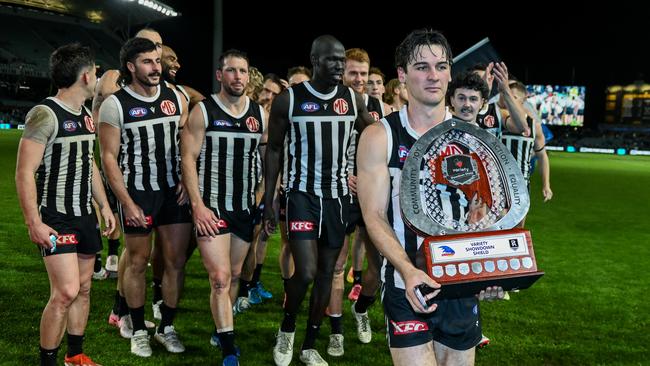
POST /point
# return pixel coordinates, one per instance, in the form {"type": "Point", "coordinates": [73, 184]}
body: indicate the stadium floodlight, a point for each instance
{"type": "Point", "coordinates": [157, 6]}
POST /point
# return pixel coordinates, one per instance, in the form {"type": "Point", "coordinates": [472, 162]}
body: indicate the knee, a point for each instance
{"type": "Point", "coordinates": [305, 276]}
{"type": "Point", "coordinates": [138, 262]}
{"type": "Point", "coordinates": [65, 296]}
{"type": "Point", "coordinates": [220, 282]}
{"type": "Point", "coordinates": [235, 274]}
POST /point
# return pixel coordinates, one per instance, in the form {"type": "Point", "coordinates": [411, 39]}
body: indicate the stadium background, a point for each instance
{"type": "Point", "coordinates": [591, 239]}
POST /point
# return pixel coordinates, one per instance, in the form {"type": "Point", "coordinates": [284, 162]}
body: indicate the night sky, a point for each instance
{"type": "Point", "coordinates": [550, 43]}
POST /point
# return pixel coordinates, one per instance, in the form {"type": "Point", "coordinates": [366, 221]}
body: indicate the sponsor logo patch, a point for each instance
{"type": "Point", "coordinates": [67, 239]}
{"type": "Point", "coordinates": [408, 327]}
{"type": "Point", "coordinates": [138, 112]}
{"type": "Point", "coordinates": [70, 126]}
{"type": "Point", "coordinates": [446, 251]}
{"type": "Point", "coordinates": [168, 107]}
{"type": "Point", "coordinates": [488, 121]}
{"type": "Point", "coordinates": [253, 124]}
{"type": "Point", "coordinates": [341, 106]}
{"type": "Point", "coordinates": [403, 153]}
{"type": "Point", "coordinates": [301, 226]}
{"type": "Point", "coordinates": [222, 123]}
{"type": "Point", "coordinates": [310, 107]}
{"type": "Point", "coordinates": [90, 124]}
{"type": "Point", "coordinates": [451, 149]}
{"type": "Point", "coordinates": [222, 224]}
{"type": "Point", "coordinates": [374, 115]}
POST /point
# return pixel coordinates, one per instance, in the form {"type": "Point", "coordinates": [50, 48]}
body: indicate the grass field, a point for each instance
{"type": "Point", "coordinates": [591, 307]}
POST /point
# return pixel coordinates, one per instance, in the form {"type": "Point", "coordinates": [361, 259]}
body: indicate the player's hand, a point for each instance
{"type": "Point", "coordinates": [268, 220]}
{"type": "Point", "coordinates": [39, 234]}
{"type": "Point", "coordinates": [547, 193]}
{"type": "Point", "coordinates": [134, 216]}
{"type": "Point", "coordinates": [109, 220]}
{"type": "Point", "coordinates": [413, 279]}
{"type": "Point", "coordinates": [500, 72]}
{"type": "Point", "coordinates": [205, 221]}
{"type": "Point", "coordinates": [352, 184]}
{"type": "Point", "coordinates": [492, 293]}
{"type": "Point", "coordinates": [489, 76]}
{"type": "Point", "coordinates": [181, 192]}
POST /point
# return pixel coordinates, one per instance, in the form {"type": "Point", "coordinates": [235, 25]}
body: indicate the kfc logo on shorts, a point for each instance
{"type": "Point", "coordinates": [67, 239]}
{"type": "Point", "coordinates": [451, 149]}
{"type": "Point", "coordinates": [340, 106]}
{"type": "Point", "coordinates": [408, 327]}
{"type": "Point", "coordinates": [301, 226]}
{"type": "Point", "coordinates": [489, 121]}
{"type": "Point", "coordinates": [374, 115]}
{"type": "Point", "coordinates": [253, 124]}
{"type": "Point", "coordinates": [168, 107]}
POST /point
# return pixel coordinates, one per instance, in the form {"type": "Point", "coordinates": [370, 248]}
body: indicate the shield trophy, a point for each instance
{"type": "Point", "coordinates": [463, 191]}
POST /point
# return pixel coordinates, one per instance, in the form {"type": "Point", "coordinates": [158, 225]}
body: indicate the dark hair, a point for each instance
{"type": "Point", "coordinates": [67, 62]}
{"type": "Point", "coordinates": [406, 52]}
{"type": "Point", "coordinates": [232, 53]}
{"type": "Point", "coordinates": [518, 85]}
{"type": "Point", "coordinates": [478, 67]}
{"type": "Point", "coordinates": [275, 79]}
{"type": "Point", "coordinates": [468, 80]}
{"type": "Point", "coordinates": [376, 71]}
{"type": "Point", "coordinates": [129, 52]}
{"type": "Point", "coordinates": [298, 70]}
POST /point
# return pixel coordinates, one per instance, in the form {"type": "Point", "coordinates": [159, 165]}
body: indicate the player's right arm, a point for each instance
{"type": "Point", "coordinates": [192, 139]}
{"type": "Point", "coordinates": [274, 156]}
{"type": "Point", "coordinates": [38, 130]}
{"type": "Point", "coordinates": [109, 142]}
{"type": "Point", "coordinates": [374, 177]}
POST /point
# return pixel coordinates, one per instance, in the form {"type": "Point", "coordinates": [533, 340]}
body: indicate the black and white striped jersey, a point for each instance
{"type": "Point", "coordinates": [401, 137]}
{"type": "Point", "coordinates": [64, 178]}
{"type": "Point", "coordinates": [149, 154]}
{"type": "Point", "coordinates": [318, 139]}
{"type": "Point", "coordinates": [490, 119]}
{"type": "Point", "coordinates": [376, 110]}
{"type": "Point", "coordinates": [227, 165]}
{"type": "Point", "coordinates": [521, 147]}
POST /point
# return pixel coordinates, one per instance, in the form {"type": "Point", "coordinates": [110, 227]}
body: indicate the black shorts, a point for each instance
{"type": "Point", "coordinates": [282, 197]}
{"type": "Point", "coordinates": [77, 234]}
{"type": "Point", "coordinates": [455, 323]}
{"type": "Point", "coordinates": [160, 209]}
{"type": "Point", "coordinates": [314, 218]}
{"type": "Point", "coordinates": [240, 223]}
{"type": "Point", "coordinates": [356, 218]}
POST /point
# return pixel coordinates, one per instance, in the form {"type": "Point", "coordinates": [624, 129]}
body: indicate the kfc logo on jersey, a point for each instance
{"type": "Point", "coordinates": [168, 107]}
{"type": "Point", "coordinates": [403, 153]}
{"type": "Point", "coordinates": [67, 239]}
{"type": "Point", "coordinates": [374, 115]}
{"type": "Point", "coordinates": [301, 226]}
{"type": "Point", "coordinates": [138, 112]}
{"type": "Point", "coordinates": [408, 327]}
{"type": "Point", "coordinates": [310, 107]}
{"type": "Point", "coordinates": [70, 126]}
{"type": "Point", "coordinates": [451, 149]}
{"type": "Point", "coordinates": [340, 106]}
{"type": "Point", "coordinates": [253, 124]}
{"type": "Point", "coordinates": [488, 121]}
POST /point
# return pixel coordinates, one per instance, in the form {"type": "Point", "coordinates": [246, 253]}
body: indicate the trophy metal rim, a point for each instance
{"type": "Point", "coordinates": [410, 195]}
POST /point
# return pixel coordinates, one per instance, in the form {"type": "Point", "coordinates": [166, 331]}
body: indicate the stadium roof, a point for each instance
{"type": "Point", "coordinates": [113, 14]}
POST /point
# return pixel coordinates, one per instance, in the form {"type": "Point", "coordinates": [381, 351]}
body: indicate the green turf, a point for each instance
{"type": "Point", "coordinates": [591, 307]}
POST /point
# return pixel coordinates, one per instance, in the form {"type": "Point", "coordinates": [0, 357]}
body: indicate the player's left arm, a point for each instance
{"type": "Point", "coordinates": [514, 116]}
{"type": "Point", "coordinates": [99, 195]}
{"type": "Point", "coordinates": [364, 119]}
{"type": "Point", "coordinates": [539, 148]}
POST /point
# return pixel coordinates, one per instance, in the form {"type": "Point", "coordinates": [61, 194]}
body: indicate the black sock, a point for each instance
{"type": "Point", "coordinates": [113, 245]}
{"type": "Point", "coordinates": [244, 286]}
{"type": "Point", "coordinates": [48, 356]}
{"type": "Point", "coordinates": [75, 344]}
{"type": "Point", "coordinates": [137, 317]}
{"type": "Point", "coordinates": [285, 281]}
{"type": "Point", "coordinates": [123, 307]}
{"type": "Point", "coordinates": [168, 315]}
{"type": "Point", "coordinates": [363, 303]}
{"type": "Point", "coordinates": [256, 274]}
{"type": "Point", "coordinates": [336, 322]}
{"type": "Point", "coordinates": [227, 341]}
{"type": "Point", "coordinates": [357, 277]}
{"type": "Point", "coordinates": [310, 336]}
{"type": "Point", "coordinates": [288, 323]}
{"type": "Point", "coordinates": [157, 290]}
{"type": "Point", "coordinates": [98, 262]}
{"type": "Point", "coordinates": [116, 303]}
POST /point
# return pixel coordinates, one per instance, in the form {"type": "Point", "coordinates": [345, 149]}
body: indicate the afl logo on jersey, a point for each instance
{"type": "Point", "coordinates": [70, 126]}
{"type": "Point", "coordinates": [252, 124]}
{"type": "Point", "coordinates": [168, 107]}
{"type": "Point", "coordinates": [221, 123]}
{"type": "Point", "coordinates": [374, 115]}
{"type": "Point", "coordinates": [138, 112]}
{"type": "Point", "coordinates": [340, 106]}
{"type": "Point", "coordinates": [310, 107]}
{"type": "Point", "coordinates": [90, 124]}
